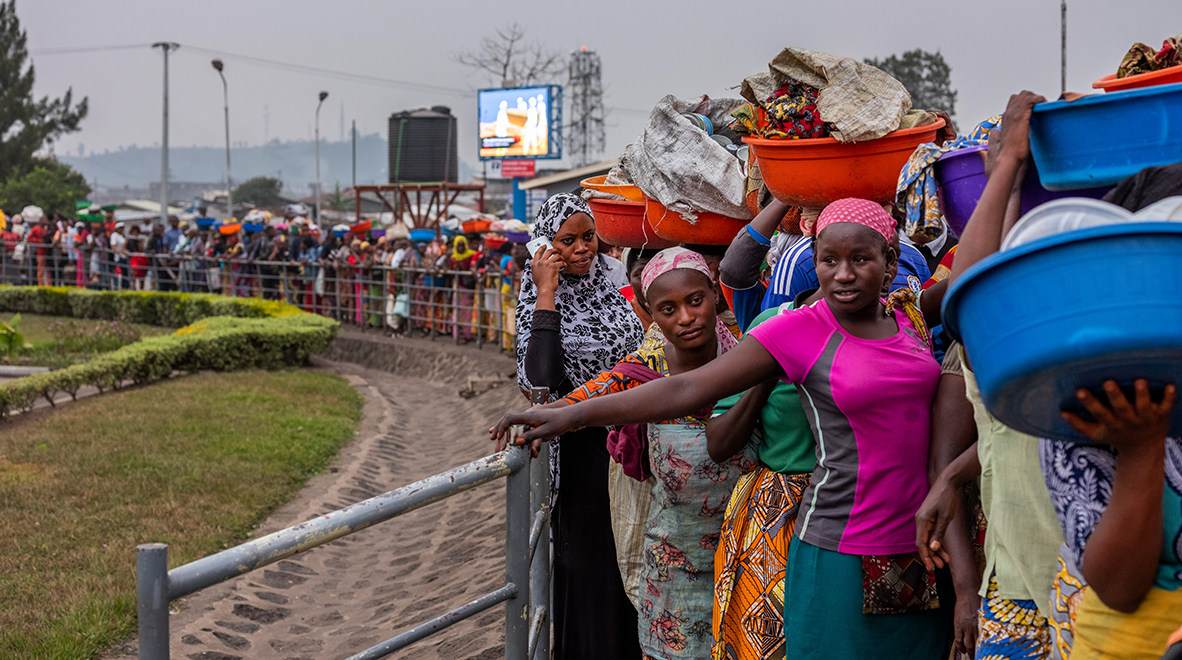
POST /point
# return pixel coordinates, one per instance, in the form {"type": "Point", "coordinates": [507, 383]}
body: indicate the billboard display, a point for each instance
{"type": "Point", "coordinates": [520, 122]}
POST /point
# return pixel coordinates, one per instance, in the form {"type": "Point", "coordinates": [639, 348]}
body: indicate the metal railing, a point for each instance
{"type": "Point", "coordinates": [526, 592]}
{"type": "Point", "coordinates": [464, 305]}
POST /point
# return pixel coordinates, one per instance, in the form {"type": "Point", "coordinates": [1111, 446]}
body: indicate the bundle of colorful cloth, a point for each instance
{"type": "Point", "coordinates": [917, 188]}
{"type": "Point", "coordinates": [1143, 59]}
{"type": "Point", "coordinates": [789, 112]}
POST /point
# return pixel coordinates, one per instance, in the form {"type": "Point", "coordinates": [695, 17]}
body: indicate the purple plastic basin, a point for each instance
{"type": "Point", "coordinates": [961, 176]}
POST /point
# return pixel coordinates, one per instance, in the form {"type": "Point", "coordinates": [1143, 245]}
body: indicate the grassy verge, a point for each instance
{"type": "Point", "coordinates": [35, 327]}
{"type": "Point", "coordinates": [195, 462]}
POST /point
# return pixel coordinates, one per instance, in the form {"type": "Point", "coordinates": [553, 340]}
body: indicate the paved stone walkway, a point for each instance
{"type": "Point", "coordinates": [338, 599]}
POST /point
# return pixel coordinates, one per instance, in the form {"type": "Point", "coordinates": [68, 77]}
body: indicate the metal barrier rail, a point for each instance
{"type": "Point", "coordinates": [527, 572]}
{"type": "Point", "coordinates": [435, 302]}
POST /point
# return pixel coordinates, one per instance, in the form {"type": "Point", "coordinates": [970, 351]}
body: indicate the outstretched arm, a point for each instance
{"type": "Point", "coordinates": [728, 433]}
{"type": "Point", "coordinates": [745, 366]}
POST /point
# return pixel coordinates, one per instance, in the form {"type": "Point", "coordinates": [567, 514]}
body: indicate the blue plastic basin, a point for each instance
{"type": "Point", "coordinates": [1068, 311]}
{"type": "Point", "coordinates": [422, 235]}
{"type": "Point", "coordinates": [1101, 139]}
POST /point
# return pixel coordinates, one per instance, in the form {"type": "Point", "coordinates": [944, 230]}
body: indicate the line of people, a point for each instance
{"type": "Point", "coordinates": [828, 483]}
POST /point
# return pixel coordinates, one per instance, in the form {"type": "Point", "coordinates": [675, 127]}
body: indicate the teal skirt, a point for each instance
{"type": "Point", "coordinates": [823, 616]}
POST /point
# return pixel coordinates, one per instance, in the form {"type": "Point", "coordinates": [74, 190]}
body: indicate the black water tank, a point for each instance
{"type": "Point", "coordinates": [423, 146]}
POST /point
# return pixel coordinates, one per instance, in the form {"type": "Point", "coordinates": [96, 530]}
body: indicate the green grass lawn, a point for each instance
{"type": "Point", "coordinates": [196, 462]}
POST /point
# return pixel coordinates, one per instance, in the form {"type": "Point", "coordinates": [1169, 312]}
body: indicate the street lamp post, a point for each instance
{"type": "Point", "coordinates": [323, 95]}
{"type": "Point", "coordinates": [167, 47]}
{"type": "Point", "coordinates": [217, 64]}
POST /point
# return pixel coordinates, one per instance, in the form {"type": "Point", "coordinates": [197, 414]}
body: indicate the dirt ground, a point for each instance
{"type": "Point", "coordinates": [341, 598]}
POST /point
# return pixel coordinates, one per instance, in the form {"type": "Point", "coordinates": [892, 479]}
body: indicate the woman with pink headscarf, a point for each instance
{"type": "Point", "coordinates": [674, 585]}
{"type": "Point", "coordinates": [854, 586]}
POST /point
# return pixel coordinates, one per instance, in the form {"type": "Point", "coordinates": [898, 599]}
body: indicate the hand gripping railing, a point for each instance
{"type": "Point", "coordinates": [526, 593]}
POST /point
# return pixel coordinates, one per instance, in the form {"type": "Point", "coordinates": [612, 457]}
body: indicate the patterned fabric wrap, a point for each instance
{"type": "Point", "coordinates": [1143, 59]}
{"type": "Point", "coordinates": [678, 257]}
{"type": "Point", "coordinates": [598, 325]}
{"type": "Point", "coordinates": [689, 501]}
{"type": "Point", "coordinates": [791, 112]}
{"type": "Point", "coordinates": [860, 212]}
{"type": "Point", "coordinates": [917, 188]}
{"type": "Point", "coordinates": [1066, 595]}
{"type": "Point", "coordinates": [897, 584]}
{"type": "Point", "coordinates": [1011, 629]}
{"type": "Point", "coordinates": [749, 565]}
{"type": "Point", "coordinates": [905, 299]}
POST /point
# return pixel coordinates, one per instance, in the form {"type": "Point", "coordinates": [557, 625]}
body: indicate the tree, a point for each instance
{"type": "Point", "coordinates": [50, 184]}
{"type": "Point", "coordinates": [511, 61]}
{"type": "Point", "coordinates": [925, 75]}
{"type": "Point", "coordinates": [260, 191]}
{"type": "Point", "coordinates": [337, 201]}
{"type": "Point", "coordinates": [27, 125]}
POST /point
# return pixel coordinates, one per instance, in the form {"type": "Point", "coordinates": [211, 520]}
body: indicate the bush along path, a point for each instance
{"type": "Point", "coordinates": [218, 334]}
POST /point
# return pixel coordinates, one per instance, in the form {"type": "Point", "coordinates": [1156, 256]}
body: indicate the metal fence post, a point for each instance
{"type": "Point", "coordinates": [151, 578]}
{"type": "Point", "coordinates": [539, 578]}
{"type": "Point", "coordinates": [517, 523]}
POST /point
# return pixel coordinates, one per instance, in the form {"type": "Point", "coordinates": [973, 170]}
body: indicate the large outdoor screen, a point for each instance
{"type": "Point", "coordinates": [521, 122]}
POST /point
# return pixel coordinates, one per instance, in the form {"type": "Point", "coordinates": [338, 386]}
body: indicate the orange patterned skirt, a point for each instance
{"type": "Point", "coordinates": [749, 565]}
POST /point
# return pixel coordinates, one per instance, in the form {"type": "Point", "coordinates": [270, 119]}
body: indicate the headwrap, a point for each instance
{"type": "Point", "coordinates": [671, 259]}
{"type": "Point", "coordinates": [598, 326]}
{"type": "Point", "coordinates": [860, 212]}
{"type": "Point", "coordinates": [33, 214]}
{"type": "Point", "coordinates": [458, 253]}
{"type": "Point", "coordinates": [916, 190]}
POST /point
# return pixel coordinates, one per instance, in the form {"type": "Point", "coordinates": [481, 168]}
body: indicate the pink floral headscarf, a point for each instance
{"type": "Point", "coordinates": [860, 212]}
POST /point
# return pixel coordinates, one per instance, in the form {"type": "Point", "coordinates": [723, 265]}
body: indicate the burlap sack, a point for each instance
{"type": "Point", "coordinates": [678, 165]}
{"type": "Point", "coordinates": [862, 102]}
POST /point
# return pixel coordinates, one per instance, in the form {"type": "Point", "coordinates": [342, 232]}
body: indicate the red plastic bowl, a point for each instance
{"type": "Point", "coordinates": [1110, 83]}
{"type": "Point", "coordinates": [815, 172]}
{"type": "Point", "coordinates": [623, 224]}
{"type": "Point", "coordinates": [708, 229]}
{"type": "Point", "coordinates": [361, 227]}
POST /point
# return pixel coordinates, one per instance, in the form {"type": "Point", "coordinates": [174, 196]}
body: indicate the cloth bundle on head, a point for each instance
{"type": "Point", "coordinates": [671, 259]}
{"type": "Point", "coordinates": [32, 214]}
{"type": "Point", "coordinates": [598, 326]}
{"type": "Point", "coordinates": [916, 191]}
{"type": "Point", "coordinates": [860, 212]}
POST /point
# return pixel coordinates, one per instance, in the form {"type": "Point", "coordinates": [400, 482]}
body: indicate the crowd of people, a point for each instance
{"type": "Point", "coordinates": [400, 286]}
{"type": "Point", "coordinates": [780, 454]}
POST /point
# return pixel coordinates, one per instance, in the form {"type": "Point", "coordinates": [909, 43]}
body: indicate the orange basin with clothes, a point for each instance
{"type": "Point", "coordinates": [707, 229]}
{"type": "Point", "coordinates": [1110, 83]}
{"type": "Point", "coordinates": [623, 224]}
{"type": "Point", "coordinates": [817, 171]}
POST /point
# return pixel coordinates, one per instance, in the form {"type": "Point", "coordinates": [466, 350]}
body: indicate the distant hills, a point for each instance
{"type": "Point", "coordinates": [294, 162]}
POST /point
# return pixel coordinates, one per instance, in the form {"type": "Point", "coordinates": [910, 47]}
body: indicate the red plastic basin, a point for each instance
{"type": "Point", "coordinates": [708, 229]}
{"type": "Point", "coordinates": [818, 171]}
{"type": "Point", "coordinates": [623, 224]}
{"type": "Point", "coordinates": [1110, 83]}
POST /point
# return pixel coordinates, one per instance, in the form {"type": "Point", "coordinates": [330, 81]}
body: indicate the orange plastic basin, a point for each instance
{"type": "Point", "coordinates": [361, 227]}
{"type": "Point", "coordinates": [230, 230]}
{"type": "Point", "coordinates": [476, 226]}
{"type": "Point", "coordinates": [818, 171]}
{"type": "Point", "coordinates": [708, 229]}
{"type": "Point", "coordinates": [623, 224]}
{"type": "Point", "coordinates": [1110, 83]}
{"type": "Point", "coordinates": [630, 193]}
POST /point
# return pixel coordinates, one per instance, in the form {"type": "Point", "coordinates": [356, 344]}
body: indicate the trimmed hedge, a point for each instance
{"type": "Point", "coordinates": [223, 334]}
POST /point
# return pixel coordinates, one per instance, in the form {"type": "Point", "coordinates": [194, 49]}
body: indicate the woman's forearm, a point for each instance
{"type": "Point", "coordinates": [729, 432]}
{"type": "Point", "coordinates": [1121, 557]}
{"type": "Point", "coordinates": [545, 300]}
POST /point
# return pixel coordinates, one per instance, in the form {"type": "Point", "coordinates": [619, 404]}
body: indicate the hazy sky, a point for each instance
{"type": "Point", "coordinates": [648, 49]}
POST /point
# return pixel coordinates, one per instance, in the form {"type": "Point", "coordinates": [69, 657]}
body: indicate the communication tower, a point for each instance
{"type": "Point", "coordinates": [586, 139]}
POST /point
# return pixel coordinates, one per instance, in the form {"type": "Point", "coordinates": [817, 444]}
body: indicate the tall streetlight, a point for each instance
{"type": "Point", "coordinates": [217, 64]}
{"type": "Point", "coordinates": [323, 95]}
{"type": "Point", "coordinates": [167, 47]}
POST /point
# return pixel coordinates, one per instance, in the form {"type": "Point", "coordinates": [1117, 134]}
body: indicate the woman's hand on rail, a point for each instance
{"type": "Point", "coordinates": [545, 424]}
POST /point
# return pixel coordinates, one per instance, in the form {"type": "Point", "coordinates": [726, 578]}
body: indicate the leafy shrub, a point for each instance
{"type": "Point", "coordinates": [220, 334]}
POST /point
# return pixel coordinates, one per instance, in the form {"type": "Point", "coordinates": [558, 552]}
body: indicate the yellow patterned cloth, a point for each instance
{"type": "Point", "coordinates": [1011, 629]}
{"type": "Point", "coordinates": [749, 565]}
{"type": "Point", "coordinates": [1104, 633]}
{"type": "Point", "coordinates": [1066, 596]}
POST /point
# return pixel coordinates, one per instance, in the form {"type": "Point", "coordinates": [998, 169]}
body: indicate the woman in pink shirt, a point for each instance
{"type": "Point", "coordinates": [866, 375]}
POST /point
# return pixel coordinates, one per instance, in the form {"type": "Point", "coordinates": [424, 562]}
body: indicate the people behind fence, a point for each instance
{"type": "Point", "coordinates": [433, 284]}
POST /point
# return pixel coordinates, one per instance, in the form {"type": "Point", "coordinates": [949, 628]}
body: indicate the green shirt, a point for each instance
{"type": "Point", "coordinates": [788, 446]}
